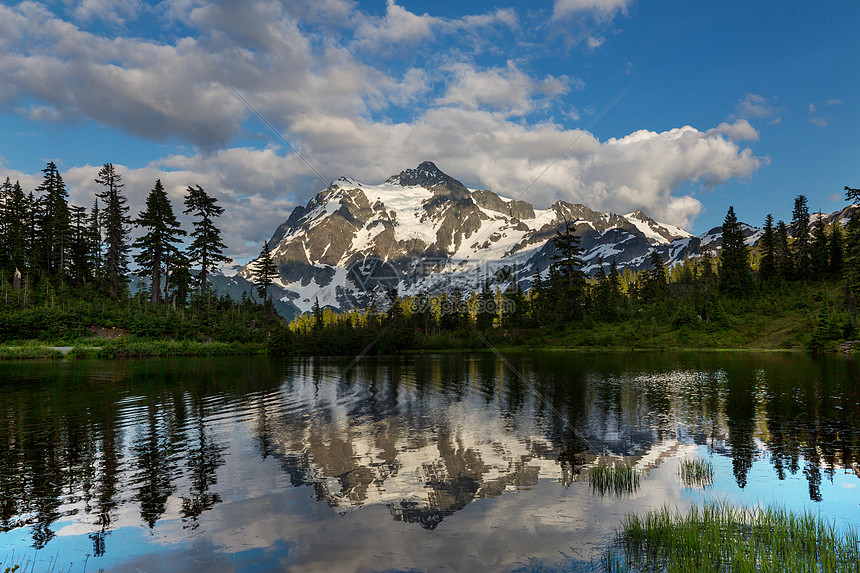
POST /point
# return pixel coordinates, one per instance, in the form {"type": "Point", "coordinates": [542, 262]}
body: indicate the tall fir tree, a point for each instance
{"type": "Point", "coordinates": [115, 225]}
{"type": "Point", "coordinates": [801, 245]}
{"type": "Point", "coordinates": [54, 221]}
{"type": "Point", "coordinates": [607, 293]}
{"type": "Point", "coordinates": [707, 295]}
{"type": "Point", "coordinates": [18, 215]}
{"type": "Point", "coordinates": [515, 306]}
{"type": "Point", "coordinates": [486, 308]}
{"type": "Point", "coordinates": [95, 240]}
{"type": "Point", "coordinates": [5, 224]}
{"type": "Point", "coordinates": [654, 287]}
{"type": "Point", "coordinates": [784, 259]}
{"type": "Point", "coordinates": [599, 292]}
{"type": "Point", "coordinates": [162, 235]}
{"type": "Point", "coordinates": [768, 267]}
{"type": "Point", "coordinates": [178, 273]}
{"type": "Point", "coordinates": [317, 314]}
{"type": "Point", "coordinates": [819, 251]}
{"type": "Point", "coordinates": [852, 253]}
{"type": "Point", "coordinates": [265, 271]}
{"type": "Point", "coordinates": [616, 296]}
{"type": "Point", "coordinates": [568, 264]}
{"type": "Point", "coordinates": [837, 250]}
{"type": "Point", "coordinates": [852, 243]}
{"type": "Point", "coordinates": [33, 233]}
{"type": "Point", "coordinates": [735, 272]}
{"type": "Point", "coordinates": [206, 249]}
{"type": "Point", "coordinates": [80, 268]}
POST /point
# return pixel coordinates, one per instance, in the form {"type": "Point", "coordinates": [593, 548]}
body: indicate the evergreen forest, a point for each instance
{"type": "Point", "coordinates": [65, 269]}
{"type": "Point", "coordinates": [796, 288]}
{"type": "Point", "coordinates": [65, 278]}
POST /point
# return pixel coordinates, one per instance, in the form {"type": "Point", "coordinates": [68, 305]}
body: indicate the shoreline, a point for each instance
{"type": "Point", "coordinates": [131, 349]}
{"type": "Point", "coordinates": [164, 348]}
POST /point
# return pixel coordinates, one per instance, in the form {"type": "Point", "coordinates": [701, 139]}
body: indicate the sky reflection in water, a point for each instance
{"type": "Point", "coordinates": [252, 464]}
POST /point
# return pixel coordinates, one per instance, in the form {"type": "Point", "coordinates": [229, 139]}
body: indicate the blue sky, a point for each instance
{"type": "Point", "coordinates": [748, 104]}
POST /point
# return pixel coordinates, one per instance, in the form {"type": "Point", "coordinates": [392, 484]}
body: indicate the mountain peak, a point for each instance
{"type": "Point", "coordinates": [429, 176]}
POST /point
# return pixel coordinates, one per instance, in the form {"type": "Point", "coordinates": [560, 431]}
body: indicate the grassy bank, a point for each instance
{"type": "Point", "coordinates": [109, 349]}
{"type": "Point", "coordinates": [720, 538]}
{"type": "Point", "coordinates": [29, 353]}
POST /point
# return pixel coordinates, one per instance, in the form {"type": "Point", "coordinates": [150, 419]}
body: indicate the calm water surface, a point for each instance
{"type": "Point", "coordinates": [404, 463]}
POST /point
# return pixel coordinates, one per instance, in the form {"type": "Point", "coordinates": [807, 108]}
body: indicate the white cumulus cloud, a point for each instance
{"type": "Point", "coordinates": [740, 130]}
{"type": "Point", "coordinates": [602, 9]}
{"type": "Point", "coordinates": [506, 89]}
{"type": "Point", "coordinates": [304, 68]}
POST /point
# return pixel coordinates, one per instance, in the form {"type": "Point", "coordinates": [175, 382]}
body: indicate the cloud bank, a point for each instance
{"type": "Point", "coordinates": [331, 78]}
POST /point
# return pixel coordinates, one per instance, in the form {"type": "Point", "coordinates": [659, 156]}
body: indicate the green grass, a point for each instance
{"type": "Point", "coordinates": [618, 479]}
{"type": "Point", "coordinates": [123, 348]}
{"type": "Point", "coordinates": [718, 537]}
{"type": "Point", "coordinates": [696, 472]}
{"type": "Point", "coordinates": [29, 353]}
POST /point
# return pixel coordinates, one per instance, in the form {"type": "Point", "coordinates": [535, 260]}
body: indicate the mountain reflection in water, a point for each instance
{"type": "Point", "coordinates": [89, 448]}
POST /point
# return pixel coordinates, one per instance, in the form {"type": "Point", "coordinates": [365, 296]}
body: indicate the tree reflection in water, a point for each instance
{"type": "Point", "coordinates": [424, 436]}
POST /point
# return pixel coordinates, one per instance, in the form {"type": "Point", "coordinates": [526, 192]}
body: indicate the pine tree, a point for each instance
{"type": "Point", "coordinates": [79, 268]}
{"type": "Point", "coordinates": [607, 293]}
{"type": "Point", "coordinates": [784, 260]}
{"type": "Point", "coordinates": [600, 294]}
{"type": "Point", "coordinates": [116, 229]}
{"type": "Point", "coordinates": [515, 306]}
{"type": "Point", "coordinates": [768, 266]}
{"type": "Point", "coordinates": [837, 247]}
{"type": "Point", "coordinates": [318, 314]}
{"type": "Point", "coordinates": [265, 271]}
{"type": "Point", "coordinates": [160, 239]}
{"type": "Point", "coordinates": [54, 221]}
{"type": "Point", "coordinates": [18, 214]}
{"type": "Point", "coordinates": [852, 247]}
{"type": "Point", "coordinates": [5, 224]}
{"type": "Point", "coordinates": [819, 250]}
{"type": "Point", "coordinates": [206, 249]}
{"type": "Point", "coordinates": [33, 233]}
{"type": "Point", "coordinates": [557, 305]}
{"type": "Point", "coordinates": [95, 241]}
{"type": "Point", "coordinates": [707, 300]}
{"type": "Point", "coordinates": [615, 295]}
{"type": "Point", "coordinates": [735, 272]}
{"type": "Point", "coordinates": [178, 273]}
{"type": "Point", "coordinates": [654, 286]}
{"type": "Point", "coordinates": [486, 308]}
{"type": "Point", "coordinates": [394, 315]}
{"type": "Point", "coordinates": [568, 263]}
{"type": "Point", "coordinates": [800, 230]}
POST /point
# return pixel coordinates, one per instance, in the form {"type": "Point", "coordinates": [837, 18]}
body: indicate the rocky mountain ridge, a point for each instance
{"type": "Point", "coordinates": [424, 231]}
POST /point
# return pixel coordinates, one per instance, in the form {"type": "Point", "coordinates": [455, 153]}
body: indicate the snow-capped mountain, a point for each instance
{"type": "Point", "coordinates": [424, 231]}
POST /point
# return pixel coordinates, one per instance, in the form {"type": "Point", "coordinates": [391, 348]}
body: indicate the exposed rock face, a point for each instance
{"type": "Point", "coordinates": [424, 231]}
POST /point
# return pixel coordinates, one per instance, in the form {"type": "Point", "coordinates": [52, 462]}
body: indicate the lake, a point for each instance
{"type": "Point", "coordinates": [430, 462]}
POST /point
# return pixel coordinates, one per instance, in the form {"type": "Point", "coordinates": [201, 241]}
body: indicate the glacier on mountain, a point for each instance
{"type": "Point", "coordinates": [423, 231]}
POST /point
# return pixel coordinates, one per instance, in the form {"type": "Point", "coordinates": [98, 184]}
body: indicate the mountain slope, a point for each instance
{"type": "Point", "coordinates": [423, 231]}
